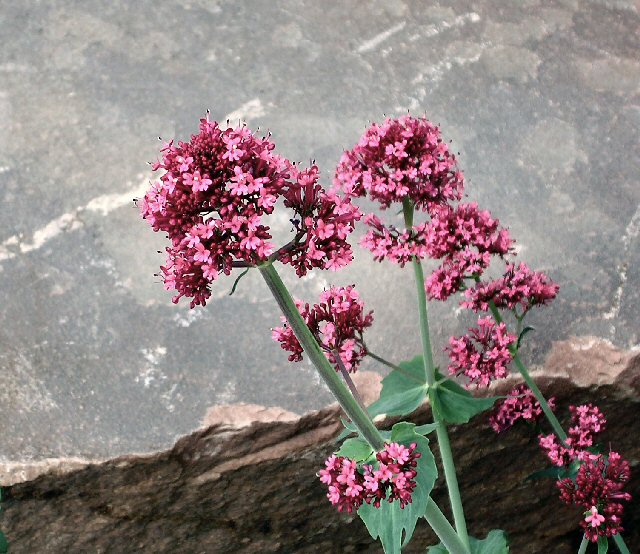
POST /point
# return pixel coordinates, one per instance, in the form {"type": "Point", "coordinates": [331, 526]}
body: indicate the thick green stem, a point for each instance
{"type": "Point", "coordinates": [622, 547]}
{"type": "Point", "coordinates": [583, 545]}
{"type": "Point", "coordinates": [548, 412]}
{"type": "Point", "coordinates": [443, 529]}
{"type": "Point", "coordinates": [348, 403]}
{"type": "Point", "coordinates": [429, 369]}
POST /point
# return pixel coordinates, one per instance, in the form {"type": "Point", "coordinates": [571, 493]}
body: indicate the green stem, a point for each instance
{"type": "Point", "coordinates": [443, 529]}
{"type": "Point", "coordinates": [394, 367]}
{"type": "Point", "coordinates": [548, 412]}
{"type": "Point", "coordinates": [429, 370]}
{"type": "Point", "coordinates": [583, 545]}
{"type": "Point", "coordinates": [348, 403]}
{"type": "Point", "coordinates": [622, 547]}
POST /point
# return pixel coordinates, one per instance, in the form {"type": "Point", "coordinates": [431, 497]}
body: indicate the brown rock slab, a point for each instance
{"type": "Point", "coordinates": [230, 488]}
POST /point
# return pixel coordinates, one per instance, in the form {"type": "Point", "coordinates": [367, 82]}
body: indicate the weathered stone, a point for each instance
{"type": "Point", "coordinates": [226, 489]}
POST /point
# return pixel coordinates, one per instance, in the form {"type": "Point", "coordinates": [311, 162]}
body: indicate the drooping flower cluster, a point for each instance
{"type": "Point", "coordinates": [587, 420]}
{"type": "Point", "coordinates": [597, 488]}
{"type": "Point", "coordinates": [520, 404]}
{"type": "Point", "coordinates": [520, 286]}
{"type": "Point", "coordinates": [322, 221]}
{"type": "Point", "coordinates": [393, 479]}
{"type": "Point", "coordinates": [483, 354]}
{"type": "Point", "coordinates": [212, 198]}
{"type": "Point", "coordinates": [402, 158]}
{"type": "Point", "coordinates": [337, 322]}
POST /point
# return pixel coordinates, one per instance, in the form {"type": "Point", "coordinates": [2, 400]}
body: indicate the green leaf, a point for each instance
{"type": "Point", "coordinates": [4, 544]}
{"type": "Point", "coordinates": [235, 283]}
{"type": "Point", "coordinates": [402, 391]}
{"type": "Point", "coordinates": [603, 545]}
{"type": "Point", "coordinates": [495, 543]}
{"type": "Point", "coordinates": [456, 404]}
{"type": "Point", "coordinates": [426, 428]}
{"type": "Point", "coordinates": [356, 449]}
{"type": "Point", "coordinates": [349, 429]}
{"type": "Point", "coordinates": [390, 522]}
{"type": "Point", "coordinates": [526, 330]}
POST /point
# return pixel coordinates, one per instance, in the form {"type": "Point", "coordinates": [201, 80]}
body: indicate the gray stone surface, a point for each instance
{"type": "Point", "coordinates": [540, 98]}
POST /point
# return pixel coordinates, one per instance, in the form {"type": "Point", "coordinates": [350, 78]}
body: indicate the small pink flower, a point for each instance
{"type": "Point", "coordinates": [519, 404]}
{"type": "Point", "coordinates": [594, 519]}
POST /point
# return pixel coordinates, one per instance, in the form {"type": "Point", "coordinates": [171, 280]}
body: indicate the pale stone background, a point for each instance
{"type": "Point", "coordinates": [539, 97]}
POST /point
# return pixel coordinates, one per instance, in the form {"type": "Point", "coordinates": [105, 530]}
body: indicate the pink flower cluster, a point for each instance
{"type": "Point", "coordinates": [323, 221]}
{"type": "Point", "coordinates": [337, 322]}
{"type": "Point", "coordinates": [211, 200]}
{"type": "Point", "coordinates": [597, 488]}
{"type": "Point", "coordinates": [387, 242]}
{"type": "Point", "coordinates": [519, 404]}
{"type": "Point", "coordinates": [393, 479]}
{"type": "Point", "coordinates": [520, 286]}
{"type": "Point", "coordinates": [402, 158]}
{"type": "Point", "coordinates": [586, 421]}
{"type": "Point", "coordinates": [483, 354]}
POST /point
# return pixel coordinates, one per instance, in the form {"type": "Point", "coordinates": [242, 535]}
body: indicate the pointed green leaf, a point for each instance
{"type": "Point", "coordinates": [526, 330]}
{"type": "Point", "coordinates": [455, 404]}
{"type": "Point", "coordinates": [402, 391]}
{"type": "Point", "coordinates": [349, 429]}
{"type": "Point", "coordinates": [4, 544]}
{"type": "Point", "coordinates": [390, 522]}
{"type": "Point", "coordinates": [437, 549]}
{"type": "Point", "coordinates": [426, 428]}
{"type": "Point", "coordinates": [356, 449]}
{"type": "Point", "coordinates": [603, 545]}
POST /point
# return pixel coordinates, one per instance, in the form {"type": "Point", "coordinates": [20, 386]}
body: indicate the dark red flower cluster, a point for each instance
{"type": "Point", "coordinates": [483, 354]}
{"type": "Point", "coordinates": [402, 158]}
{"type": "Point", "coordinates": [211, 200]}
{"type": "Point", "coordinates": [519, 404]}
{"type": "Point", "coordinates": [393, 479]}
{"type": "Point", "coordinates": [322, 221]}
{"type": "Point", "coordinates": [597, 488]}
{"type": "Point", "coordinates": [518, 287]}
{"type": "Point", "coordinates": [337, 323]}
{"type": "Point", "coordinates": [587, 420]}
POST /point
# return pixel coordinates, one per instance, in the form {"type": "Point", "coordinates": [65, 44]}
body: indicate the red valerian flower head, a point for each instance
{"type": "Point", "coordinates": [392, 479]}
{"type": "Point", "coordinates": [337, 322]}
{"type": "Point", "coordinates": [402, 158]}
{"type": "Point", "coordinates": [483, 354]}
{"type": "Point", "coordinates": [322, 221]}
{"type": "Point", "coordinates": [587, 420]}
{"type": "Point", "coordinates": [518, 287]}
{"type": "Point", "coordinates": [210, 201]}
{"type": "Point", "coordinates": [519, 404]}
{"type": "Point", "coordinates": [212, 197]}
{"type": "Point", "coordinates": [387, 242]}
{"type": "Point", "coordinates": [597, 488]}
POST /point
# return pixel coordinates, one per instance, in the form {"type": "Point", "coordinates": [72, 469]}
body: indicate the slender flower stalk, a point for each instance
{"type": "Point", "coordinates": [393, 366]}
{"type": "Point", "coordinates": [441, 430]}
{"type": "Point", "coordinates": [348, 380]}
{"type": "Point", "coordinates": [548, 412]}
{"type": "Point", "coordinates": [583, 545]}
{"type": "Point", "coordinates": [433, 514]}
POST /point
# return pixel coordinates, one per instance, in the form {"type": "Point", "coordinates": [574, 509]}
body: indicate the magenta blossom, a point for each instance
{"type": "Point", "coordinates": [587, 420]}
{"type": "Point", "coordinates": [322, 220]}
{"type": "Point", "coordinates": [402, 158]}
{"type": "Point", "coordinates": [520, 404]}
{"type": "Point", "coordinates": [597, 488]}
{"type": "Point", "coordinates": [392, 479]}
{"type": "Point", "coordinates": [337, 322]}
{"type": "Point", "coordinates": [211, 201]}
{"type": "Point", "coordinates": [518, 287]}
{"type": "Point", "coordinates": [483, 354]}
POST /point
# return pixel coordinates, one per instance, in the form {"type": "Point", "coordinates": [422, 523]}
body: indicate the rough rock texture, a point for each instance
{"type": "Point", "coordinates": [253, 489]}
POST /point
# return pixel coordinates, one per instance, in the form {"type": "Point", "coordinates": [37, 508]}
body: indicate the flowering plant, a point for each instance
{"type": "Point", "coordinates": [213, 199]}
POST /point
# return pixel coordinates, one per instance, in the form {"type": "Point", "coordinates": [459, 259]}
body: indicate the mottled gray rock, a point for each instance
{"type": "Point", "coordinates": [539, 97]}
